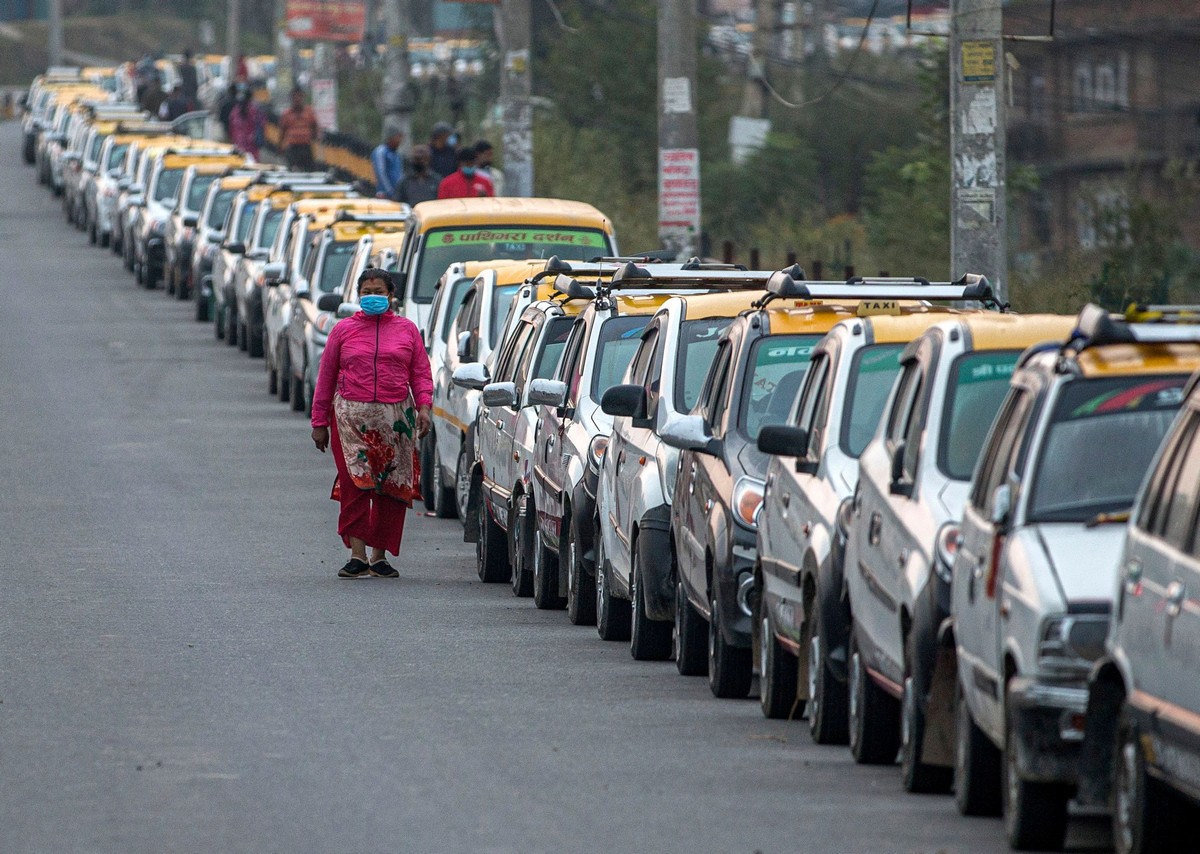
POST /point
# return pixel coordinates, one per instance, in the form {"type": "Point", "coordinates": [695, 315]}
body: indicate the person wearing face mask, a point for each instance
{"type": "Point", "coordinates": [420, 182]}
{"type": "Point", "coordinates": [443, 146]}
{"type": "Point", "coordinates": [371, 406]}
{"type": "Point", "coordinates": [484, 155]}
{"type": "Point", "coordinates": [466, 182]}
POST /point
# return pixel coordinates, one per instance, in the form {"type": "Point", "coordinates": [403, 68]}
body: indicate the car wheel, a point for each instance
{"type": "Point", "coordinates": [519, 530]}
{"type": "Point", "coordinates": [427, 473]}
{"type": "Point", "coordinates": [730, 668]}
{"type": "Point", "coordinates": [828, 699]}
{"type": "Point", "coordinates": [240, 336]}
{"type": "Point", "coordinates": [649, 640]}
{"type": "Point", "coordinates": [272, 380]}
{"type": "Point", "coordinates": [93, 235]}
{"type": "Point", "coordinates": [690, 636]}
{"type": "Point", "coordinates": [151, 275]}
{"type": "Point", "coordinates": [254, 342]}
{"type": "Point", "coordinates": [169, 280]}
{"type": "Point", "coordinates": [581, 604]}
{"type": "Point", "coordinates": [918, 776]}
{"type": "Point", "coordinates": [201, 305]}
{"type": "Point", "coordinates": [1035, 814]}
{"type": "Point", "coordinates": [545, 573]}
{"type": "Point", "coordinates": [297, 394]}
{"type": "Point", "coordinates": [976, 764]}
{"type": "Point", "coordinates": [1146, 815]}
{"type": "Point", "coordinates": [612, 614]}
{"type": "Point", "coordinates": [778, 672]}
{"type": "Point", "coordinates": [139, 273]}
{"type": "Point", "coordinates": [105, 240]}
{"type": "Point", "coordinates": [490, 553]}
{"type": "Point", "coordinates": [284, 372]}
{"type": "Point", "coordinates": [462, 482]}
{"type": "Point", "coordinates": [874, 715]}
{"type": "Point", "coordinates": [231, 326]}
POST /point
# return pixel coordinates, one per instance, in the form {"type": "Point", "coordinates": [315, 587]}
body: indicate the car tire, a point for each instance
{"type": "Point", "coordinates": [581, 602]}
{"type": "Point", "coordinates": [976, 764]}
{"type": "Point", "coordinates": [93, 235]}
{"type": "Point", "coordinates": [105, 240]}
{"type": "Point", "coordinates": [545, 573]}
{"type": "Point", "coordinates": [427, 497]}
{"type": "Point", "coordinates": [917, 776]}
{"type": "Point", "coordinates": [778, 673]}
{"type": "Point", "coordinates": [874, 716]}
{"type": "Point", "coordinates": [649, 640]}
{"type": "Point", "coordinates": [444, 497]}
{"type": "Point", "coordinates": [612, 614]}
{"type": "Point", "coordinates": [201, 306]}
{"type": "Point", "coordinates": [182, 289]}
{"type": "Point", "coordinates": [169, 280]}
{"type": "Point", "coordinates": [272, 380]}
{"type": "Point", "coordinates": [690, 635]}
{"type": "Point", "coordinates": [139, 273]}
{"type": "Point", "coordinates": [730, 668]}
{"type": "Point", "coordinates": [254, 342]}
{"type": "Point", "coordinates": [150, 276]}
{"type": "Point", "coordinates": [491, 554]}
{"type": "Point", "coordinates": [241, 335]}
{"type": "Point", "coordinates": [297, 394]}
{"type": "Point", "coordinates": [231, 326]}
{"type": "Point", "coordinates": [1146, 815]}
{"type": "Point", "coordinates": [1035, 813]}
{"type": "Point", "coordinates": [218, 319]}
{"type": "Point", "coordinates": [284, 371]}
{"type": "Point", "coordinates": [462, 482]}
{"type": "Point", "coordinates": [828, 696]}
{"type": "Point", "coordinates": [520, 532]}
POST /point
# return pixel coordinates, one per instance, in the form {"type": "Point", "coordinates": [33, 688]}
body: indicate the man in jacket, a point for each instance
{"type": "Point", "coordinates": [297, 131]}
{"type": "Point", "coordinates": [442, 149]}
{"type": "Point", "coordinates": [420, 184]}
{"type": "Point", "coordinates": [388, 165]}
{"type": "Point", "coordinates": [465, 182]}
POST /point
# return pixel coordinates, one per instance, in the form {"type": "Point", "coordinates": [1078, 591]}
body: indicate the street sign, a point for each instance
{"type": "Point", "coordinates": [679, 197]}
{"type": "Point", "coordinates": [324, 103]}
{"type": "Point", "coordinates": [328, 21]}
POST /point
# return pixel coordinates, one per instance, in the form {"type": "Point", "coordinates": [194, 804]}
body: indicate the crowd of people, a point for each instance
{"type": "Point", "coordinates": [441, 169]}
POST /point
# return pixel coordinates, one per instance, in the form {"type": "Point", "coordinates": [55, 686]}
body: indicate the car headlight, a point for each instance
{"type": "Point", "coordinates": [157, 226]}
{"type": "Point", "coordinates": [596, 449]}
{"type": "Point", "coordinates": [325, 322]}
{"type": "Point", "coordinates": [946, 542]}
{"type": "Point", "coordinates": [1069, 644]}
{"type": "Point", "coordinates": [748, 499]}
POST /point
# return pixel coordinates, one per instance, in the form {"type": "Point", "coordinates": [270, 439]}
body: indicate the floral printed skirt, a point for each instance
{"type": "Point", "coordinates": [379, 446]}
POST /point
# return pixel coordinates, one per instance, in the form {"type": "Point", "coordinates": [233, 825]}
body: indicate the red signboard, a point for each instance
{"type": "Point", "coordinates": [326, 20]}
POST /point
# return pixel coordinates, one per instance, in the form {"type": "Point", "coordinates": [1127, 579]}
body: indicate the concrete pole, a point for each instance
{"type": "Point", "coordinates": [397, 100]}
{"type": "Point", "coordinates": [55, 46]}
{"type": "Point", "coordinates": [978, 213]}
{"type": "Point", "coordinates": [233, 34]}
{"type": "Point", "coordinates": [678, 137]}
{"type": "Point", "coordinates": [754, 96]}
{"type": "Point", "coordinates": [513, 28]}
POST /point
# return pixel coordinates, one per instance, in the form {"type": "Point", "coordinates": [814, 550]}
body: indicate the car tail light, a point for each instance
{"type": "Point", "coordinates": [748, 499]}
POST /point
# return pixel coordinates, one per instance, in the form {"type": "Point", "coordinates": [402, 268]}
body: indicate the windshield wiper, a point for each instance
{"type": "Point", "coordinates": [1108, 519]}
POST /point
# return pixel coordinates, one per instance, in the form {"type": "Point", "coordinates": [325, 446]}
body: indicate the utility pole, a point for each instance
{"type": "Point", "coordinates": [55, 47]}
{"type": "Point", "coordinates": [397, 100]}
{"type": "Point", "coordinates": [513, 31]}
{"type": "Point", "coordinates": [678, 137]}
{"type": "Point", "coordinates": [978, 213]}
{"type": "Point", "coordinates": [233, 34]}
{"type": "Point", "coordinates": [754, 97]}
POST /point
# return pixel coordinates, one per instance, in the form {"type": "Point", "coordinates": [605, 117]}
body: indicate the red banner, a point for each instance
{"type": "Point", "coordinates": [326, 20]}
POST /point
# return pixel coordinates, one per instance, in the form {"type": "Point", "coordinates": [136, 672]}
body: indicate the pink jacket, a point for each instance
{"type": "Point", "coordinates": [373, 359]}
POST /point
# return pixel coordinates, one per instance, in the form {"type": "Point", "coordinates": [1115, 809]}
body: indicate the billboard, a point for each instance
{"type": "Point", "coordinates": [326, 20]}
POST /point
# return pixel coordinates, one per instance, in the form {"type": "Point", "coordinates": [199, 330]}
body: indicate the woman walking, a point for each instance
{"type": "Point", "coordinates": [245, 123]}
{"type": "Point", "coordinates": [372, 404]}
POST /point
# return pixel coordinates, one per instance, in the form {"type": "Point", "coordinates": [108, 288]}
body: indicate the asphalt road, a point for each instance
{"type": "Point", "coordinates": [181, 671]}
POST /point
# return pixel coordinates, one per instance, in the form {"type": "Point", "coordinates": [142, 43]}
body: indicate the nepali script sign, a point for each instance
{"type": "Point", "coordinates": [679, 198]}
{"type": "Point", "coordinates": [326, 20]}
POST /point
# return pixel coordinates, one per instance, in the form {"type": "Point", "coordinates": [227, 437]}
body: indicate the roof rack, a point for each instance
{"type": "Point", "coordinates": [401, 215]}
{"type": "Point", "coordinates": [198, 152]}
{"type": "Point", "coordinates": [631, 275]}
{"type": "Point", "coordinates": [555, 266]}
{"type": "Point", "coordinates": [309, 186]}
{"type": "Point", "coordinates": [790, 283]}
{"type": "Point", "coordinates": [1140, 324]}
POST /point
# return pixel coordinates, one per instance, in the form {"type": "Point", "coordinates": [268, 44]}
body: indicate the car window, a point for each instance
{"type": "Point", "coordinates": [914, 427]}
{"type": "Point", "coordinates": [902, 403]}
{"type": "Point", "coordinates": [219, 209]}
{"type": "Point", "coordinates": [511, 354]}
{"type": "Point", "coordinates": [115, 155]}
{"type": "Point", "coordinates": [167, 185]}
{"type": "Point", "coordinates": [998, 455]}
{"type": "Point", "coordinates": [812, 399]}
{"type": "Point", "coordinates": [1180, 528]}
{"type": "Point", "coordinates": [1102, 435]}
{"type": "Point", "coordinates": [978, 383]}
{"type": "Point", "coordinates": [616, 342]}
{"type": "Point", "coordinates": [872, 374]}
{"type": "Point", "coordinates": [197, 190]}
{"type": "Point", "coordinates": [570, 368]}
{"type": "Point", "coordinates": [653, 382]}
{"type": "Point", "coordinates": [529, 354]}
{"type": "Point", "coordinates": [716, 389]}
{"type": "Point", "coordinates": [697, 347]}
{"type": "Point", "coordinates": [334, 264]}
{"type": "Point", "coordinates": [453, 300]}
{"type": "Point", "coordinates": [271, 220]}
{"type": "Point", "coordinates": [775, 371]}
{"type": "Point", "coordinates": [502, 303]}
{"type": "Point", "coordinates": [558, 329]}
{"type": "Point", "coordinates": [1162, 482]}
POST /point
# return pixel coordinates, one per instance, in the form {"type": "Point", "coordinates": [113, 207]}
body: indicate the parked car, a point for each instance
{"type": "Point", "coordinates": [1037, 557]}
{"type": "Point", "coordinates": [913, 478]}
{"type": "Point", "coordinates": [105, 187]}
{"type": "Point", "coordinates": [1142, 736]}
{"type": "Point", "coordinates": [802, 623]}
{"type": "Point", "coordinates": [182, 223]}
{"type": "Point", "coordinates": [210, 233]}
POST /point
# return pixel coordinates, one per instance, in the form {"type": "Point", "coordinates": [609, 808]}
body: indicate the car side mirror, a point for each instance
{"type": "Point", "coordinates": [898, 485]}
{"type": "Point", "coordinates": [190, 220]}
{"type": "Point", "coordinates": [688, 433]}
{"type": "Point", "coordinates": [473, 375]}
{"type": "Point", "coordinates": [500, 394]}
{"type": "Point", "coordinates": [137, 201]}
{"type": "Point", "coordinates": [400, 280]}
{"type": "Point", "coordinates": [115, 174]}
{"type": "Point", "coordinates": [236, 248]}
{"type": "Point", "coordinates": [329, 302]}
{"type": "Point", "coordinates": [346, 309]}
{"type": "Point", "coordinates": [464, 347]}
{"type": "Point", "coordinates": [628, 401]}
{"type": "Point", "coordinates": [215, 237]}
{"type": "Point", "coordinates": [543, 392]}
{"type": "Point", "coordinates": [258, 255]}
{"type": "Point", "coordinates": [136, 189]}
{"type": "Point", "coordinates": [122, 184]}
{"type": "Point", "coordinates": [1001, 505]}
{"type": "Point", "coordinates": [783, 440]}
{"type": "Point", "coordinates": [272, 273]}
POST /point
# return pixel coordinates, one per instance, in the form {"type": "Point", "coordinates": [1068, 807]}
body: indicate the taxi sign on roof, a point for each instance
{"type": "Point", "coordinates": [871, 308]}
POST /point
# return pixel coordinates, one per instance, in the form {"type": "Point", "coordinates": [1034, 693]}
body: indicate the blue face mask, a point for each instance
{"type": "Point", "coordinates": [452, 140]}
{"type": "Point", "coordinates": [374, 304]}
{"type": "Point", "coordinates": [469, 171]}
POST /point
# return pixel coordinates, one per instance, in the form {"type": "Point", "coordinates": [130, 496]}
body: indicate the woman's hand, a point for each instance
{"type": "Point", "coordinates": [424, 421]}
{"type": "Point", "coordinates": [320, 437]}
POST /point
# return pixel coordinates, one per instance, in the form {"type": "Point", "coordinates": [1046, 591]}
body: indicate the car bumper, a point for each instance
{"type": "Point", "coordinates": [583, 509]}
{"type": "Point", "coordinates": [735, 591]}
{"type": "Point", "coordinates": [1048, 720]}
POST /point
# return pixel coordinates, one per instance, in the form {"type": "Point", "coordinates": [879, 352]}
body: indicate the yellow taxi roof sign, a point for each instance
{"type": "Point", "coordinates": [872, 308]}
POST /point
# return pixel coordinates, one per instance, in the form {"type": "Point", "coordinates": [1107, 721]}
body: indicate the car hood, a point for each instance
{"type": "Point", "coordinates": [1084, 560]}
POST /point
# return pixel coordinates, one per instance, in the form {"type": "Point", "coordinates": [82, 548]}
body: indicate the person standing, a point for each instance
{"type": "Point", "coordinates": [388, 165]}
{"type": "Point", "coordinates": [442, 149]}
{"type": "Point", "coordinates": [465, 182]}
{"type": "Point", "coordinates": [297, 131]}
{"type": "Point", "coordinates": [484, 154]}
{"type": "Point", "coordinates": [188, 80]}
{"type": "Point", "coordinates": [175, 105]}
{"type": "Point", "coordinates": [371, 406]}
{"type": "Point", "coordinates": [420, 183]}
{"type": "Point", "coordinates": [246, 123]}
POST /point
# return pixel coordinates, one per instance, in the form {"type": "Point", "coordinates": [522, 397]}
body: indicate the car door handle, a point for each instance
{"type": "Point", "coordinates": [786, 499]}
{"type": "Point", "coordinates": [1175, 596]}
{"type": "Point", "coordinates": [550, 441]}
{"type": "Point", "coordinates": [499, 422]}
{"type": "Point", "coordinates": [902, 558]}
{"type": "Point", "coordinates": [1133, 577]}
{"type": "Point", "coordinates": [875, 529]}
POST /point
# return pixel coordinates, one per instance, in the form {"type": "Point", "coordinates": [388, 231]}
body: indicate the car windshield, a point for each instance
{"type": "Point", "coordinates": [458, 290]}
{"type": "Point", "coordinates": [168, 184]}
{"type": "Point", "coordinates": [116, 154]}
{"type": "Point", "coordinates": [697, 347]}
{"type": "Point", "coordinates": [221, 203]}
{"type": "Point", "coordinates": [618, 340]}
{"type": "Point", "coordinates": [245, 220]}
{"type": "Point", "coordinates": [445, 246]}
{"type": "Point", "coordinates": [1102, 436]}
{"type": "Point", "coordinates": [978, 383]}
{"type": "Point", "coordinates": [502, 300]}
{"type": "Point", "coordinates": [872, 373]}
{"type": "Point", "coordinates": [557, 332]}
{"type": "Point", "coordinates": [777, 367]}
{"type": "Point", "coordinates": [95, 146]}
{"type": "Point", "coordinates": [197, 191]}
{"type": "Point", "coordinates": [334, 264]}
{"type": "Point", "coordinates": [271, 220]}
